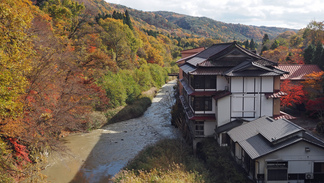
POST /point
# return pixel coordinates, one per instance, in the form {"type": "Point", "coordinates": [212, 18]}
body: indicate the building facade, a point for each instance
{"type": "Point", "coordinates": [225, 85]}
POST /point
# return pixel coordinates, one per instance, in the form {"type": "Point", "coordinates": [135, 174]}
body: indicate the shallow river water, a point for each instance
{"type": "Point", "coordinates": [99, 155]}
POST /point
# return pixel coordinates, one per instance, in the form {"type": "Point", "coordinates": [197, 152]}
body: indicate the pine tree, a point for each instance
{"type": "Point", "coordinates": [309, 53]}
{"type": "Point", "coordinates": [318, 54]}
{"type": "Point", "coordinates": [252, 45]}
{"type": "Point", "coordinates": [127, 20]}
{"type": "Point", "coordinates": [246, 44]}
{"type": "Point", "coordinates": [275, 45]}
{"type": "Point", "coordinates": [265, 39]}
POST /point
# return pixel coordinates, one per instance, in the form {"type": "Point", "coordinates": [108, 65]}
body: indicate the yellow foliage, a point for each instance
{"type": "Point", "coordinates": [16, 48]}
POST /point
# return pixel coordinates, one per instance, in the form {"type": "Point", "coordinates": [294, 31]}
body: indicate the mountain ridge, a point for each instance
{"type": "Point", "coordinates": [171, 22]}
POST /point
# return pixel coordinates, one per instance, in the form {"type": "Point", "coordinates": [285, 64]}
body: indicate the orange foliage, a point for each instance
{"type": "Point", "coordinates": [285, 55]}
{"type": "Point", "coordinates": [314, 81]}
{"type": "Point", "coordinates": [91, 49]}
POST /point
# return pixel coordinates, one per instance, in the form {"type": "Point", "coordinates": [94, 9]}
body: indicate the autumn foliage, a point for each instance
{"type": "Point", "coordinates": [295, 94]}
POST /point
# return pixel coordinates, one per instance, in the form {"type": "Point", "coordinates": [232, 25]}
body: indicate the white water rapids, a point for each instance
{"type": "Point", "coordinates": [100, 154]}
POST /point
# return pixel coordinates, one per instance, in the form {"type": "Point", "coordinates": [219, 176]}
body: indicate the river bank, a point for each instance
{"type": "Point", "coordinates": [100, 154]}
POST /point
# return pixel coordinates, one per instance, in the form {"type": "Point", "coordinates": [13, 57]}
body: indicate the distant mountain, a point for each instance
{"type": "Point", "coordinates": [226, 31]}
{"type": "Point", "coordinates": [164, 21]}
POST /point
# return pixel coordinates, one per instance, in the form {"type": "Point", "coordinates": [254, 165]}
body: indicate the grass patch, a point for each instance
{"type": "Point", "coordinates": [169, 160]}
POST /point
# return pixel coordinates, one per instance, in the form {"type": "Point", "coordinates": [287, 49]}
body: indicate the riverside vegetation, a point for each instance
{"type": "Point", "coordinates": [171, 160]}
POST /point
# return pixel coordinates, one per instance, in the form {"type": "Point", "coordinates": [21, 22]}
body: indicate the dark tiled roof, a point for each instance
{"type": "Point", "coordinates": [253, 69]}
{"type": "Point", "coordinates": [229, 126]}
{"type": "Point", "coordinates": [187, 68]}
{"type": "Point", "coordinates": [224, 62]}
{"type": "Point", "coordinates": [214, 49]}
{"type": "Point", "coordinates": [196, 60]}
{"type": "Point", "coordinates": [186, 107]}
{"type": "Point", "coordinates": [186, 58]}
{"type": "Point", "coordinates": [208, 71]}
{"type": "Point", "coordinates": [186, 87]}
{"type": "Point", "coordinates": [297, 72]}
{"type": "Point", "coordinates": [221, 94]}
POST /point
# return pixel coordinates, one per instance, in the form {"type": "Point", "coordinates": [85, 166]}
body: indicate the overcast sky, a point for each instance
{"type": "Point", "coordinates": [279, 13]}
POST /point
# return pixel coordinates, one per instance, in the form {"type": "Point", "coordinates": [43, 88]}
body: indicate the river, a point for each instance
{"type": "Point", "coordinates": [99, 155]}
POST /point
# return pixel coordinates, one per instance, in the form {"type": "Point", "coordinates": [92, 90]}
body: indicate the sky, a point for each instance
{"type": "Point", "coordinates": [295, 14]}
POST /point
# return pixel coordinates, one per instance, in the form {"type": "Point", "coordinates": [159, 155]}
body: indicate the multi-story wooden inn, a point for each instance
{"type": "Point", "coordinates": [225, 87]}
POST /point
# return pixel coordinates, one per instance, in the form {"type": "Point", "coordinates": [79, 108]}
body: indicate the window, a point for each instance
{"type": "Point", "coordinates": [318, 167]}
{"type": "Point", "coordinates": [210, 82]}
{"type": "Point", "coordinates": [277, 171]}
{"type": "Point", "coordinates": [199, 82]}
{"type": "Point", "coordinates": [202, 103]}
{"type": "Point", "coordinates": [203, 82]}
{"type": "Point", "coordinates": [199, 128]}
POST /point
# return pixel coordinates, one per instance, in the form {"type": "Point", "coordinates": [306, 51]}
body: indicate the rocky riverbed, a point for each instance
{"type": "Point", "coordinates": [99, 155]}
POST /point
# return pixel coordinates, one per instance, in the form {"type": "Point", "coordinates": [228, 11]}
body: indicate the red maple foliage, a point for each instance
{"type": "Point", "coordinates": [21, 151]}
{"type": "Point", "coordinates": [295, 94]}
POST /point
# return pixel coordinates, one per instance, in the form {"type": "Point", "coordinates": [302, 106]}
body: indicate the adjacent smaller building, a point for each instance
{"type": "Point", "coordinates": [277, 151]}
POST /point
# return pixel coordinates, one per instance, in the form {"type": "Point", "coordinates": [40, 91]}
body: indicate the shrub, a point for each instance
{"type": "Point", "coordinates": [115, 90]}
{"type": "Point", "coordinates": [158, 74]}
{"type": "Point", "coordinates": [130, 111]}
{"type": "Point", "coordinates": [131, 86]}
{"type": "Point", "coordinates": [143, 77]}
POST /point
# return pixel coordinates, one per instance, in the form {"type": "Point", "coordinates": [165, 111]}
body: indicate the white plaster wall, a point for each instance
{"type": "Point", "coordinates": [236, 84]}
{"type": "Point", "coordinates": [267, 84]}
{"type": "Point", "coordinates": [223, 111]}
{"type": "Point", "coordinates": [249, 84]}
{"type": "Point", "coordinates": [221, 83]}
{"type": "Point", "coordinates": [266, 106]}
{"type": "Point", "coordinates": [209, 128]}
{"type": "Point", "coordinates": [237, 105]}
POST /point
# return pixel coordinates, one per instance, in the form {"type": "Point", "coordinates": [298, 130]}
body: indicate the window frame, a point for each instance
{"type": "Point", "coordinates": [199, 128]}
{"type": "Point", "coordinates": [202, 103]}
